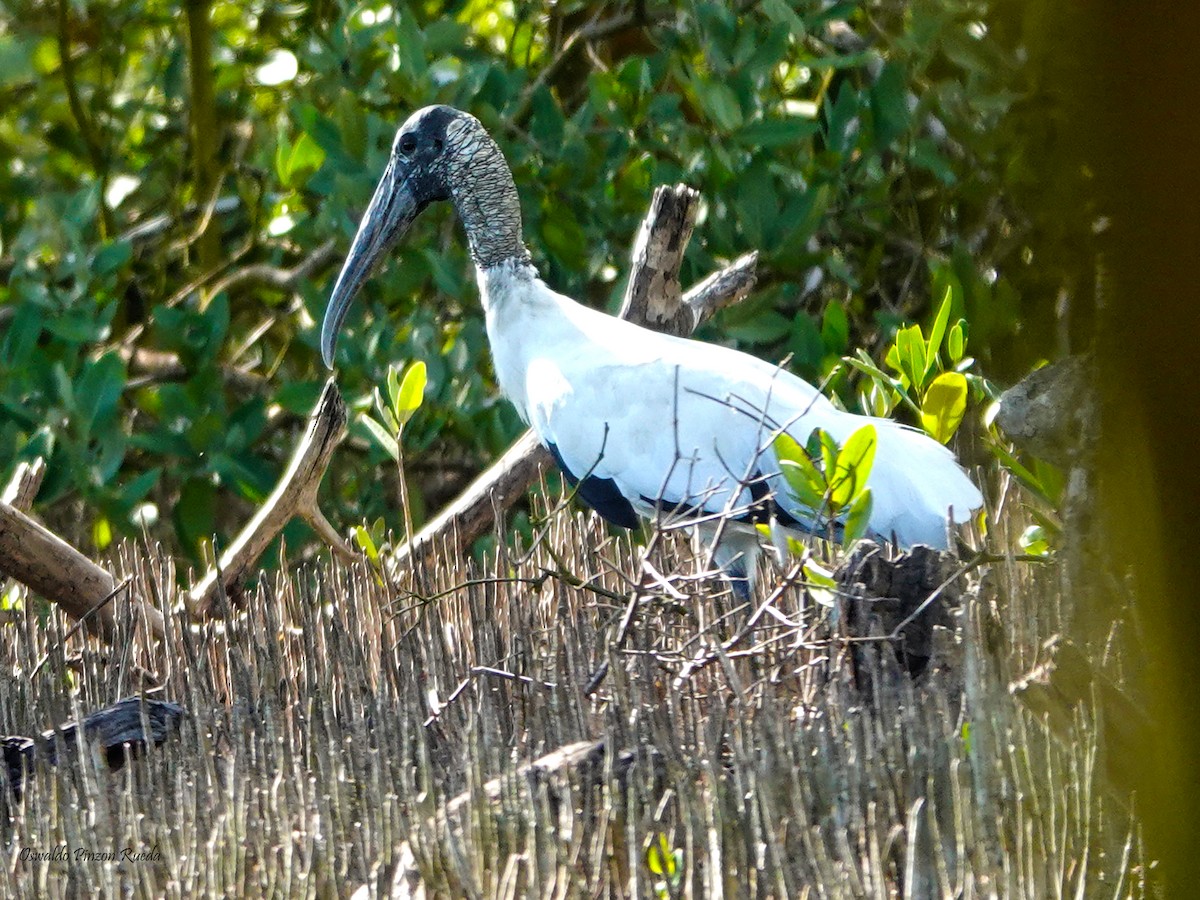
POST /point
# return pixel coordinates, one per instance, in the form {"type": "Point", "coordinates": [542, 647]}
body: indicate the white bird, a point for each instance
{"type": "Point", "coordinates": [645, 424]}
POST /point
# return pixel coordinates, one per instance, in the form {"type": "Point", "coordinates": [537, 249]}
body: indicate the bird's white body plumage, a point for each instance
{"type": "Point", "coordinates": [691, 423]}
{"type": "Point", "coordinates": [647, 424]}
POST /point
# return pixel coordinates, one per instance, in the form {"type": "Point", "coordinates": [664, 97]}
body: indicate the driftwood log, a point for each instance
{"type": "Point", "coordinates": [654, 298]}
{"type": "Point", "coordinates": [114, 731]}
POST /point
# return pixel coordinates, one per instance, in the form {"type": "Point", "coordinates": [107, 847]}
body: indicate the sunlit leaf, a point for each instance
{"type": "Point", "coordinates": [853, 466]}
{"type": "Point", "coordinates": [934, 345]}
{"type": "Point", "coordinates": [858, 517]}
{"type": "Point", "coordinates": [944, 405]}
{"type": "Point", "coordinates": [957, 344]}
{"type": "Point", "coordinates": [382, 437]}
{"type": "Point", "coordinates": [804, 479]}
{"type": "Point", "coordinates": [411, 393]}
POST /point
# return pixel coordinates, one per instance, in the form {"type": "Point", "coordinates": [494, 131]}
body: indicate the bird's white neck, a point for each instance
{"type": "Point", "coordinates": [507, 287]}
{"type": "Point", "coordinates": [523, 318]}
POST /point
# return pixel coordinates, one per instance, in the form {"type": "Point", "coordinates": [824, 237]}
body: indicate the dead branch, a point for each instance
{"type": "Point", "coordinates": [652, 298]}
{"type": "Point", "coordinates": [160, 366]}
{"type": "Point", "coordinates": [41, 560]}
{"type": "Point", "coordinates": [296, 494]}
{"type": "Point", "coordinates": [277, 277]}
{"type": "Point", "coordinates": [24, 484]}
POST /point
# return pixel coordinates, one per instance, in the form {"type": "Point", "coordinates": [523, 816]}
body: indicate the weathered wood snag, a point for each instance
{"type": "Point", "coordinates": [40, 559]}
{"type": "Point", "coordinates": [654, 298]}
{"type": "Point", "coordinates": [897, 601]}
{"type": "Point", "coordinates": [294, 495]}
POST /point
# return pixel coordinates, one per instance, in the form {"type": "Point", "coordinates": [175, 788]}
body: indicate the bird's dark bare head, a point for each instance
{"type": "Point", "coordinates": [420, 150]}
{"type": "Point", "coordinates": [440, 153]}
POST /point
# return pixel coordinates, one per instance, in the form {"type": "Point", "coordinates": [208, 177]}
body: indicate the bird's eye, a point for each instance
{"type": "Point", "coordinates": [408, 145]}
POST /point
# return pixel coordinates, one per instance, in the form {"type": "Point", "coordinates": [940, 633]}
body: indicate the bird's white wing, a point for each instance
{"type": "Point", "coordinates": [664, 423]}
{"type": "Point", "coordinates": [646, 422]}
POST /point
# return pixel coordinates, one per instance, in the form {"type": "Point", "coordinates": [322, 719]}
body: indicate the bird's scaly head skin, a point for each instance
{"type": "Point", "coordinates": [440, 153]}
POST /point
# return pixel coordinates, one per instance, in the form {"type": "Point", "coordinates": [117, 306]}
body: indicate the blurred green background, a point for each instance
{"type": "Point", "coordinates": [180, 181]}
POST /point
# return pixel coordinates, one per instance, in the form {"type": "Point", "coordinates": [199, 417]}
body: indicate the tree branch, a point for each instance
{"type": "Point", "coordinates": [296, 494]}
{"type": "Point", "coordinates": [48, 565]}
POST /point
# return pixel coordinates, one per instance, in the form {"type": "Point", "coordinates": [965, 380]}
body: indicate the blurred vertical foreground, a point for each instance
{"type": "Point", "coordinates": [1138, 87]}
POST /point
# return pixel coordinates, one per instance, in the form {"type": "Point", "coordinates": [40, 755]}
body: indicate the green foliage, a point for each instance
{"type": "Point", "coordinates": [921, 382]}
{"type": "Point", "coordinates": [666, 865]}
{"type": "Point", "coordinates": [830, 482]}
{"type": "Point", "coordinates": [158, 288]}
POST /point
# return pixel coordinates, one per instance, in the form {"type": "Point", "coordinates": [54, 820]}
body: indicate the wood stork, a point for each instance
{"type": "Point", "coordinates": [643, 423]}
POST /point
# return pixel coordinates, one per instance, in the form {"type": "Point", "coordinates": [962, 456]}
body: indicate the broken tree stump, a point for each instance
{"type": "Point", "coordinates": [896, 602]}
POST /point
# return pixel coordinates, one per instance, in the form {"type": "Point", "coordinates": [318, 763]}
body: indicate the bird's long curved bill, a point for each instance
{"type": "Point", "coordinates": [390, 212]}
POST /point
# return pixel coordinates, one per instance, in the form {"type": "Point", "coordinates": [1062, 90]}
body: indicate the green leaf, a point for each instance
{"type": "Point", "coordinates": [805, 481]}
{"type": "Point", "coordinates": [957, 343]}
{"type": "Point", "coordinates": [411, 393]}
{"type": "Point", "coordinates": [99, 389]}
{"type": "Point", "coordinates": [719, 100]}
{"type": "Point", "coordinates": [385, 440]}
{"type": "Point", "coordinates": [934, 345]}
{"type": "Point", "coordinates": [889, 105]}
{"type": "Point", "coordinates": [362, 537]}
{"type": "Point", "coordinates": [858, 517]}
{"type": "Point", "coordinates": [914, 358]}
{"type": "Point", "coordinates": [101, 533]}
{"type": "Point", "coordinates": [1033, 541]}
{"type": "Point", "coordinates": [944, 405]}
{"type": "Point", "coordinates": [660, 859]}
{"type": "Point", "coordinates": [829, 455]}
{"type": "Point", "coordinates": [821, 584]}
{"type": "Point", "coordinates": [835, 329]}
{"type": "Point", "coordinates": [111, 256]}
{"type": "Point", "coordinates": [385, 412]}
{"type": "Point", "coordinates": [297, 163]}
{"type": "Point", "coordinates": [853, 467]}
{"type": "Point", "coordinates": [768, 134]}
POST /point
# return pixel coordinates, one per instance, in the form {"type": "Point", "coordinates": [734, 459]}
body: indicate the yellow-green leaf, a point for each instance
{"type": "Point", "coordinates": [363, 538]}
{"type": "Point", "coordinates": [805, 481]}
{"type": "Point", "coordinates": [101, 533]}
{"type": "Point", "coordinates": [940, 321]}
{"type": "Point", "coordinates": [956, 344]}
{"type": "Point", "coordinates": [853, 466]}
{"type": "Point", "coordinates": [411, 393]}
{"type": "Point", "coordinates": [859, 516]}
{"type": "Point", "coordinates": [944, 405]}
{"type": "Point", "coordinates": [385, 440]}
